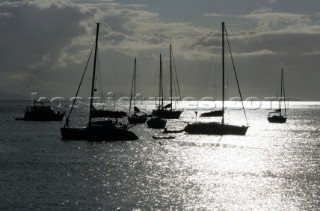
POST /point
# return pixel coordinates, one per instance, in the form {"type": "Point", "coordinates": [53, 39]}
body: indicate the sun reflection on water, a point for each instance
{"type": "Point", "coordinates": [273, 167]}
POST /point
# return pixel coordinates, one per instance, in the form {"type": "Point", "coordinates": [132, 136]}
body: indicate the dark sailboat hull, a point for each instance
{"type": "Point", "coordinates": [136, 119]}
{"type": "Point", "coordinates": [163, 137]}
{"type": "Point", "coordinates": [212, 114]}
{"type": "Point", "coordinates": [167, 114]}
{"type": "Point", "coordinates": [107, 113]}
{"type": "Point", "coordinates": [214, 128]}
{"type": "Point", "coordinates": [173, 130]}
{"type": "Point", "coordinates": [156, 123]}
{"type": "Point", "coordinates": [96, 134]}
{"type": "Point", "coordinates": [277, 119]}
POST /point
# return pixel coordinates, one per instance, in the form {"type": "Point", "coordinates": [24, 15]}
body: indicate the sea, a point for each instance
{"type": "Point", "coordinates": [272, 167]}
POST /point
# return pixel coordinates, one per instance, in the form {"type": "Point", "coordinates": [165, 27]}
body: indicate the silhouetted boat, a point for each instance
{"type": "Point", "coordinates": [106, 130]}
{"type": "Point", "coordinates": [163, 137]}
{"type": "Point", "coordinates": [96, 113]}
{"type": "Point", "coordinates": [166, 130]}
{"type": "Point", "coordinates": [157, 121]}
{"type": "Point", "coordinates": [41, 111]}
{"type": "Point", "coordinates": [212, 113]}
{"type": "Point", "coordinates": [167, 111]}
{"type": "Point", "coordinates": [137, 117]}
{"type": "Point", "coordinates": [276, 116]}
{"type": "Point", "coordinates": [217, 128]}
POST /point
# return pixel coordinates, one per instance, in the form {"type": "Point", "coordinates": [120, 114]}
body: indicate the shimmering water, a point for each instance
{"type": "Point", "coordinates": [273, 167]}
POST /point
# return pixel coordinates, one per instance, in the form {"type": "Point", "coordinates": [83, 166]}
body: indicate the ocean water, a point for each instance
{"type": "Point", "coordinates": [273, 167]}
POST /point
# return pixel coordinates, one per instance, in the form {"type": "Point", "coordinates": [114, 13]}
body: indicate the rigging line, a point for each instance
{"type": "Point", "coordinates": [132, 84]}
{"type": "Point", "coordinates": [235, 73]}
{"type": "Point", "coordinates": [209, 74]}
{"type": "Point", "coordinates": [176, 75]}
{"type": "Point", "coordinates": [284, 95]}
{"type": "Point", "coordinates": [136, 77]}
{"type": "Point", "coordinates": [215, 77]}
{"type": "Point", "coordinates": [217, 65]}
{"type": "Point", "coordinates": [100, 81]}
{"type": "Point", "coordinates": [76, 95]}
{"type": "Point", "coordinates": [110, 30]}
{"type": "Point", "coordinates": [114, 72]}
{"type": "Point", "coordinates": [105, 25]}
{"type": "Point", "coordinates": [156, 69]}
{"type": "Point", "coordinates": [176, 89]}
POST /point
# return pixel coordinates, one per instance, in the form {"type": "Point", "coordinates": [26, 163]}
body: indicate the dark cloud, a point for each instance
{"type": "Point", "coordinates": [33, 36]}
{"type": "Point", "coordinates": [45, 44]}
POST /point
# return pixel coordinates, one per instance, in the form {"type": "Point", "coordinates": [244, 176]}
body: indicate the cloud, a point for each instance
{"type": "Point", "coordinates": [312, 53]}
{"type": "Point", "coordinates": [268, 20]}
{"type": "Point", "coordinates": [6, 15]}
{"type": "Point", "coordinates": [263, 52]}
{"type": "Point", "coordinates": [34, 34]}
{"type": "Point", "coordinates": [45, 44]}
{"type": "Point", "coordinates": [214, 15]}
{"type": "Point", "coordinates": [273, 1]}
{"type": "Point", "coordinates": [130, 31]}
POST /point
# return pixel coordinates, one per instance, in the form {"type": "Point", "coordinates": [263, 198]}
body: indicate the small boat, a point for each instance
{"type": "Point", "coordinates": [166, 130]}
{"type": "Point", "coordinates": [163, 137]}
{"type": "Point", "coordinates": [137, 117]}
{"type": "Point", "coordinates": [212, 113]}
{"type": "Point", "coordinates": [167, 114]}
{"type": "Point", "coordinates": [156, 121]}
{"type": "Point", "coordinates": [103, 130]}
{"type": "Point", "coordinates": [167, 111]}
{"type": "Point", "coordinates": [219, 128]}
{"type": "Point", "coordinates": [276, 116]}
{"type": "Point", "coordinates": [41, 111]}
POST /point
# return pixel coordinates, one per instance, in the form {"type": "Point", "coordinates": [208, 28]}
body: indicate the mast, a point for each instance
{"type": "Point", "coordinates": [281, 90]}
{"type": "Point", "coordinates": [170, 77]}
{"type": "Point", "coordinates": [134, 82]}
{"type": "Point", "coordinates": [161, 84]}
{"type": "Point", "coordinates": [160, 87]}
{"type": "Point", "coordinates": [223, 28]}
{"type": "Point", "coordinates": [94, 72]}
{"type": "Point", "coordinates": [132, 93]}
{"type": "Point", "coordinates": [284, 94]}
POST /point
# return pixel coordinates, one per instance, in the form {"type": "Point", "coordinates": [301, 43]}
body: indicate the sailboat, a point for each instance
{"type": "Point", "coordinates": [137, 117]}
{"type": "Point", "coordinates": [167, 111]}
{"type": "Point", "coordinates": [156, 121]}
{"type": "Point", "coordinates": [219, 128]}
{"type": "Point", "coordinates": [104, 130]}
{"type": "Point", "coordinates": [276, 116]}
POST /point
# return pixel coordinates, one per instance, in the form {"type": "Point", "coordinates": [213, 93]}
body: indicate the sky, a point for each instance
{"type": "Point", "coordinates": [45, 45]}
